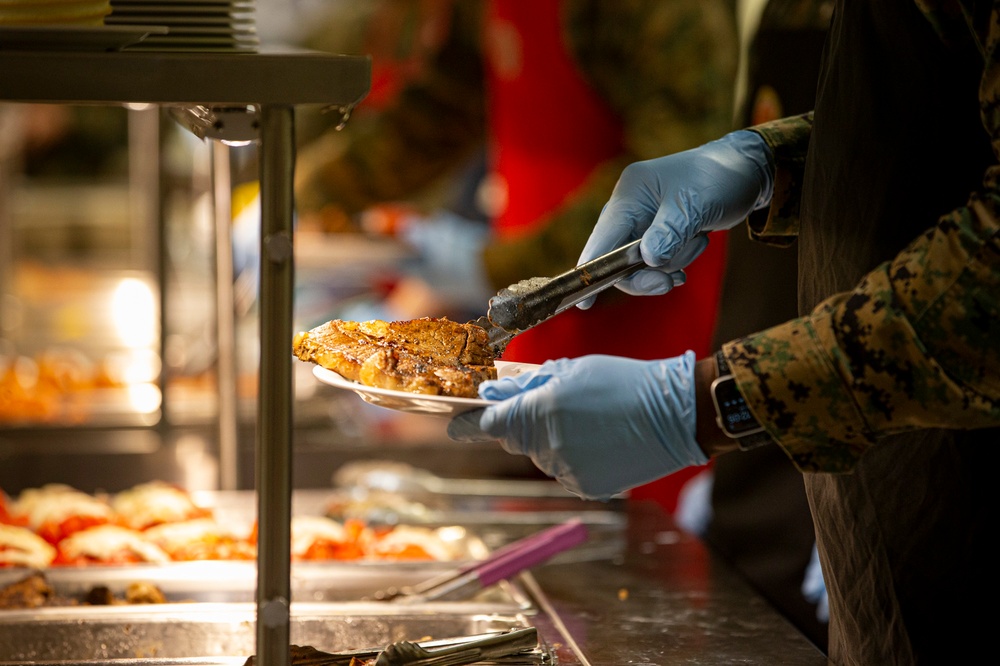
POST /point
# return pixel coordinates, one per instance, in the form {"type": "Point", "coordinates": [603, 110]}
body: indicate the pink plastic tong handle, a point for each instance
{"type": "Point", "coordinates": [530, 551]}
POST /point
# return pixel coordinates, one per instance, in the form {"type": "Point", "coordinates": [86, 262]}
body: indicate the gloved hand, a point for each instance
{"type": "Point", "coordinates": [694, 503]}
{"type": "Point", "coordinates": [598, 424]}
{"type": "Point", "coordinates": [450, 257]}
{"type": "Point", "coordinates": [672, 202]}
{"type": "Point", "coordinates": [814, 587]}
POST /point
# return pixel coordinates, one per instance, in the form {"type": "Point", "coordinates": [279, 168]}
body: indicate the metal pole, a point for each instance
{"type": "Point", "coordinates": [274, 401]}
{"type": "Point", "coordinates": [225, 324]}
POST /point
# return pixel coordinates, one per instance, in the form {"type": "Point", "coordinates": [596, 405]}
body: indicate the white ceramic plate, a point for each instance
{"type": "Point", "coordinates": [434, 405]}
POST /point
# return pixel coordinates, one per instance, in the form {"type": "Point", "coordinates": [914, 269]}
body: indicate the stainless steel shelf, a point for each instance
{"type": "Point", "coordinates": [281, 77]}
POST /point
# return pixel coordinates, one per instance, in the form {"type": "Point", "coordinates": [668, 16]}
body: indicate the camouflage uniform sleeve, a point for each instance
{"type": "Point", "coordinates": [668, 70]}
{"type": "Point", "coordinates": [915, 345]}
{"type": "Point", "coordinates": [788, 139]}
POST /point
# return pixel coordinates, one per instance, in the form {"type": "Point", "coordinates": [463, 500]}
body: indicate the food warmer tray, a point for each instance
{"type": "Point", "coordinates": [225, 633]}
{"type": "Point", "coordinates": [215, 582]}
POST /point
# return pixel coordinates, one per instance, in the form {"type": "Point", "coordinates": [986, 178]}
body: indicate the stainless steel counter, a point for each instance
{"type": "Point", "coordinates": [664, 598]}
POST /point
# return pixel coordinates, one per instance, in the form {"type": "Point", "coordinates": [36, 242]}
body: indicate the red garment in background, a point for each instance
{"type": "Point", "coordinates": [548, 131]}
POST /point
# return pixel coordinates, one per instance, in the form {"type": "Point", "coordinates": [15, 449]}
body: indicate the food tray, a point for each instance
{"type": "Point", "coordinates": [176, 631]}
{"type": "Point", "coordinates": [237, 581]}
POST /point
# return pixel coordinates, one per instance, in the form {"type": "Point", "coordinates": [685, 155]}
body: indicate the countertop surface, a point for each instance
{"type": "Point", "coordinates": [662, 598]}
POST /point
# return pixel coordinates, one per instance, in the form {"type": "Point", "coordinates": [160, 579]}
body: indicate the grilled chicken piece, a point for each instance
{"type": "Point", "coordinates": [430, 356]}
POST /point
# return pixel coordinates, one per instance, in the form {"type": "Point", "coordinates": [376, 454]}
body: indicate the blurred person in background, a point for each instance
{"type": "Point", "coordinates": [499, 128]}
{"type": "Point", "coordinates": [883, 390]}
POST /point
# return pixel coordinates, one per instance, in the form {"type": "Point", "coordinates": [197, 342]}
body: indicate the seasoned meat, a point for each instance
{"type": "Point", "coordinates": [144, 593]}
{"type": "Point", "coordinates": [428, 355]}
{"type": "Point", "coordinates": [32, 591]}
{"type": "Point", "coordinates": [307, 655]}
{"type": "Point", "coordinates": [99, 595]}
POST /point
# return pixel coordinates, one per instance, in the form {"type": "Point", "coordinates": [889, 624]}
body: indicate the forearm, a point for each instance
{"type": "Point", "coordinates": [912, 346]}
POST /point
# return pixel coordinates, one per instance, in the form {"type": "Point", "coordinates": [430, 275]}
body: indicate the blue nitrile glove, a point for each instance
{"type": "Point", "coordinates": [694, 503]}
{"type": "Point", "coordinates": [450, 257]}
{"type": "Point", "coordinates": [814, 587]}
{"type": "Point", "coordinates": [597, 424]}
{"type": "Point", "coordinates": [671, 202]}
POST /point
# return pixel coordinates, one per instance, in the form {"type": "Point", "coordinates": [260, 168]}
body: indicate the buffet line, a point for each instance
{"type": "Point", "coordinates": [157, 573]}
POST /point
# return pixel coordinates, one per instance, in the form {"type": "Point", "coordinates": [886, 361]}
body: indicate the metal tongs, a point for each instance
{"type": "Point", "coordinates": [502, 564]}
{"type": "Point", "coordinates": [407, 653]}
{"type": "Point", "coordinates": [496, 646]}
{"type": "Point", "coordinates": [529, 302]}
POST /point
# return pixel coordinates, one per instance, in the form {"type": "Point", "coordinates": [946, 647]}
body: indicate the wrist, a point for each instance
{"type": "Point", "coordinates": [710, 438]}
{"type": "Point", "coordinates": [752, 145]}
{"type": "Point", "coordinates": [733, 419]}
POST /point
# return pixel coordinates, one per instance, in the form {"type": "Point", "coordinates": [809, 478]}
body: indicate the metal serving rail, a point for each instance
{"type": "Point", "coordinates": [241, 93]}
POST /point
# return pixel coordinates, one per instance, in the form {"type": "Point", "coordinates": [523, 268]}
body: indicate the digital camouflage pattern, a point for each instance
{"type": "Point", "coordinates": [917, 343]}
{"type": "Point", "coordinates": [667, 69]}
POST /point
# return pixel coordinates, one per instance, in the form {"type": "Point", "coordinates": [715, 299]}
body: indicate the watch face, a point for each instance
{"type": "Point", "coordinates": [734, 416]}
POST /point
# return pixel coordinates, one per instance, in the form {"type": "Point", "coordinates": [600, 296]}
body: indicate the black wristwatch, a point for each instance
{"type": "Point", "coordinates": [732, 413]}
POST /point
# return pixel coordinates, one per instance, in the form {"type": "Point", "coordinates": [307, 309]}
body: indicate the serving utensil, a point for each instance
{"type": "Point", "coordinates": [408, 653]}
{"type": "Point", "coordinates": [502, 564]}
{"type": "Point", "coordinates": [440, 652]}
{"type": "Point", "coordinates": [529, 302]}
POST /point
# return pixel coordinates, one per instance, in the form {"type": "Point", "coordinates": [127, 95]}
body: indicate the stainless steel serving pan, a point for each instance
{"type": "Point", "coordinates": [212, 631]}
{"type": "Point", "coordinates": [209, 582]}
